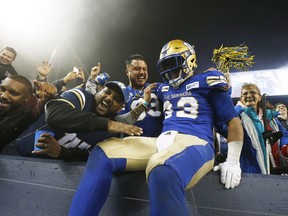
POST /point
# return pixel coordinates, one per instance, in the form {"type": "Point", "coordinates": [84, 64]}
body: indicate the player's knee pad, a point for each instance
{"type": "Point", "coordinates": [162, 174]}
{"type": "Point", "coordinates": [155, 160]}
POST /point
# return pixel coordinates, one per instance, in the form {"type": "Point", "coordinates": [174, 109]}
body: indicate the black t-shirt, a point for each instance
{"type": "Point", "coordinates": [6, 70]}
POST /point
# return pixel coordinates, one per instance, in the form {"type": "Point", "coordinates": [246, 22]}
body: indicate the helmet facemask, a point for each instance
{"type": "Point", "coordinates": [171, 69]}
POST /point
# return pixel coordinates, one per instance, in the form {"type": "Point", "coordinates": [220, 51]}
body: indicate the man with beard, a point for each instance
{"type": "Point", "coordinates": [137, 72]}
{"type": "Point", "coordinates": [79, 120]}
{"type": "Point", "coordinates": [19, 107]}
{"type": "Point", "coordinates": [7, 56]}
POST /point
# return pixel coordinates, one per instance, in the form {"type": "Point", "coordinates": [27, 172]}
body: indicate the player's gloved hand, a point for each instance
{"type": "Point", "coordinates": [230, 169]}
{"type": "Point", "coordinates": [230, 173]}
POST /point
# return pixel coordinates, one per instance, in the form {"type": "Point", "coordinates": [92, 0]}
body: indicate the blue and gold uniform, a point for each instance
{"type": "Point", "coordinates": [188, 108]}
{"type": "Point", "coordinates": [151, 120]}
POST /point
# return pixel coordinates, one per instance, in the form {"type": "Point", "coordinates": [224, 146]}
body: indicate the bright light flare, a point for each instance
{"type": "Point", "coordinates": [27, 15]}
{"type": "Point", "coordinates": [41, 21]}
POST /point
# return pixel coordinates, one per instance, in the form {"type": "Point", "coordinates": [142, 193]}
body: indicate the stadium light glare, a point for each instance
{"type": "Point", "coordinates": [38, 21]}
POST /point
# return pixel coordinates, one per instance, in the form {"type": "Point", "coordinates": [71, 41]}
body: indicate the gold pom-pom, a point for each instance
{"type": "Point", "coordinates": [236, 57]}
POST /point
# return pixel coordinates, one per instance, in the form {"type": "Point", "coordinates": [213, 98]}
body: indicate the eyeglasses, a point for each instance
{"type": "Point", "coordinates": [253, 93]}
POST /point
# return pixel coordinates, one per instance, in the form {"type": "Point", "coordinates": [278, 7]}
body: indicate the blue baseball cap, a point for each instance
{"type": "Point", "coordinates": [121, 87]}
{"type": "Point", "coordinates": [102, 78]}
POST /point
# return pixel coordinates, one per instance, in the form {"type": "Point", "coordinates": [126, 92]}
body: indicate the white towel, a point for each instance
{"type": "Point", "coordinates": [165, 140]}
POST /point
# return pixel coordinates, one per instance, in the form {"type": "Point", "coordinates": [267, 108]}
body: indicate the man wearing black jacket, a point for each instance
{"type": "Point", "coordinates": [79, 120]}
{"type": "Point", "coordinates": [19, 107]}
{"type": "Point", "coordinates": [7, 56]}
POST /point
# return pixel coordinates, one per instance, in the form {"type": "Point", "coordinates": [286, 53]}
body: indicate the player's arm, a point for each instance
{"type": "Point", "coordinates": [132, 116]}
{"type": "Point", "coordinates": [61, 115]}
{"type": "Point", "coordinates": [230, 169]}
{"type": "Point", "coordinates": [227, 114]}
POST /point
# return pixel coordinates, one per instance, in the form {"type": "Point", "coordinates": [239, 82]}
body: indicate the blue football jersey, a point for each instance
{"type": "Point", "coordinates": [151, 120]}
{"type": "Point", "coordinates": [188, 110]}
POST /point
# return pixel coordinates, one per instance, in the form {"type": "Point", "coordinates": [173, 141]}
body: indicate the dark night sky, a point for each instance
{"type": "Point", "coordinates": [111, 30]}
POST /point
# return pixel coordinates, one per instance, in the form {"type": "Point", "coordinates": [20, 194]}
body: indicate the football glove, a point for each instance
{"type": "Point", "coordinates": [230, 169]}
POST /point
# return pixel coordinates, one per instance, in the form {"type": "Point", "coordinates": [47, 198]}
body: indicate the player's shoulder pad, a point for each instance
{"type": "Point", "coordinates": [158, 87]}
{"type": "Point", "coordinates": [215, 79]}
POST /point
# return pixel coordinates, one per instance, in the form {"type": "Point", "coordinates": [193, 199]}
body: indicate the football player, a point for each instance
{"type": "Point", "coordinates": [151, 119]}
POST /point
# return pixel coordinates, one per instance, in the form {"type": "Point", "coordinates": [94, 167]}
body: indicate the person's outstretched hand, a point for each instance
{"type": "Point", "coordinates": [118, 127]}
{"type": "Point", "coordinates": [95, 71]}
{"type": "Point", "coordinates": [44, 68]}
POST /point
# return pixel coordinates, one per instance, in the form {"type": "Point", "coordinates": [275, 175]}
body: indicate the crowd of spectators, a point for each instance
{"type": "Point", "coordinates": [97, 109]}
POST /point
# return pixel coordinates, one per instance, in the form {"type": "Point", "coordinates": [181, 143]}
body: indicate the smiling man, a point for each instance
{"type": "Point", "coordinates": [78, 110]}
{"type": "Point", "coordinates": [137, 73]}
{"type": "Point", "coordinates": [91, 117]}
{"type": "Point", "coordinates": [18, 107]}
{"type": "Point", "coordinates": [79, 120]}
{"type": "Point", "coordinates": [7, 56]}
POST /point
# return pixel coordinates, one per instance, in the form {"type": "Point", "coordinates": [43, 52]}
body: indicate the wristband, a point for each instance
{"type": "Point", "coordinates": [133, 111]}
{"type": "Point", "coordinates": [144, 103]}
{"type": "Point", "coordinates": [234, 150]}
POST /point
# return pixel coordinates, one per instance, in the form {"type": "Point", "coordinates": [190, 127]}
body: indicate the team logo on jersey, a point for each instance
{"type": "Point", "coordinates": [165, 89]}
{"type": "Point", "coordinates": [192, 85]}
